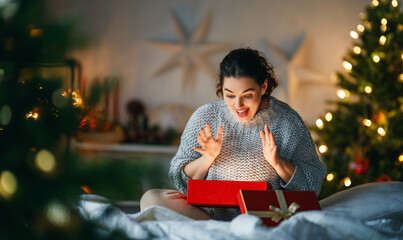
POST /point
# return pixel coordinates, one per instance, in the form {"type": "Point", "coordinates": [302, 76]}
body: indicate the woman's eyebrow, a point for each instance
{"type": "Point", "coordinates": [249, 89]}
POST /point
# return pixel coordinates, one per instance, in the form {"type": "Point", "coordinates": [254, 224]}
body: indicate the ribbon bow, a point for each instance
{"type": "Point", "coordinates": [278, 213]}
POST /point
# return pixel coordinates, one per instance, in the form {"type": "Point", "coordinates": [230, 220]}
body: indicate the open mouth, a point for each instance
{"type": "Point", "coordinates": [242, 113]}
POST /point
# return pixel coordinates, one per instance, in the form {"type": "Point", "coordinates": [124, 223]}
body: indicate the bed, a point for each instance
{"type": "Point", "coordinates": [369, 211]}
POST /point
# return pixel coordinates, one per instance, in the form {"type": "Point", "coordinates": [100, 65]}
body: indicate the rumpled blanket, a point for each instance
{"type": "Point", "coordinates": [161, 223]}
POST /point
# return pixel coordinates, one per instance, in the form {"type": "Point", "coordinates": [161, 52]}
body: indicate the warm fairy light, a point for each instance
{"type": "Point", "coordinates": [8, 184]}
{"type": "Point", "coordinates": [401, 77]}
{"type": "Point", "coordinates": [86, 189]}
{"type": "Point", "coordinates": [362, 15]}
{"type": "Point", "coordinates": [329, 116]}
{"type": "Point", "coordinates": [58, 214]}
{"type": "Point", "coordinates": [342, 93]}
{"type": "Point", "coordinates": [32, 114]}
{"type": "Point", "coordinates": [322, 148]}
{"type": "Point", "coordinates": [45, 161]}
{"type": "Point", "coordinates": [367, 122]}
{"type": "Point", "coordinates": [347, 181]}
{"type": "Point", "coordinates": [368, 89]}
{"type": "Point", "coordinates": [382, 40]}
{"type": "Point", "coordinates": [360, 28]}
{"type": "Point", "coordinates": [375, 3]}
{"type": "Point", "coordinates": [5, 115]}
{"type": "Point", "coordinates": [319, 123]}
{"type": "Point", "coordinates": [354, 35]}
{"type": "Point", "coordinates": [35, 32]}
{"type": "Point", "coordinates": [78, 101]}
{"type": "Point", "coordinates": [384, 21]}
{"type": "Point", "coordinates": [384, 28]}
{"type": "Point", "coordinates": [401, 158]}
{"type": "Point", "coordinates": [394, 3]}
{"type": "Point", "coordinates": [357, 50]}
{"type": "Point", "coordinates": [402, 56]}
{"type": "Point", "coordinates": [381, 132]}
{"type": "Point", "coordinates": [329, 177]}
{"type": "Point", "coordinates": [347, 65]}
{"type": "Point", "coordinates": [376, 58]}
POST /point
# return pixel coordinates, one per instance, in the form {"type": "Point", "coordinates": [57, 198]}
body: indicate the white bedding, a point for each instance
{"type": "Point", "coordinates": [370, 211]}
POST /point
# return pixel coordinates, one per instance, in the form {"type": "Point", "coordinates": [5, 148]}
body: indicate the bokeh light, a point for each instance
{"type": "Point", "coordinates": [45, 161]}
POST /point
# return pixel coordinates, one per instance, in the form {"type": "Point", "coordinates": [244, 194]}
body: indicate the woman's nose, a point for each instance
{"type": "Point", "coordinates": [238, 103]}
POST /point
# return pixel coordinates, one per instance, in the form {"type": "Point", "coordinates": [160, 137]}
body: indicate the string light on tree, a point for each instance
{"type": "Point", "coordinates": [8, 184]}
{"type": "Point", "coordinates": [330, 177]}
{"type": "Point", "coordinates": [32, 114]}
{"type": "Point", "coordinates": [319, 123]}
{"type": "Point", "coordinates": [360, 28]}
{"type": "Point", "coordinates": [381, 131]}
{"type": "Point", "coordinates": [394, 3]}
{"type": "Point", "coordinates": [45, 161]}
{"type": "Point", "coordinates": [347, 65]}
{"type": "Point", "coordinates": [375, 3]}
{"type": "Point", "coordinates": [367, 122]}
{"type": "Point", "coordinates": [357, 50]}
{"type": "Point", "coordinates": [329, 116]}
{"type": "Point", "coordinates": [401, 77]}
{"type": "Point", "coordinates": [401, 158]}
{"type": "Point", "coordinates": [354, 35]}
{"type": "Point", "coordinates": [376, 58]}
{"type": "Point", "coordinates": [343, 93]}
{"type": "Point", "coordinates": [382, 40]}
{"type": "Point", "coordinates": [384, 21]}
{"type": "Point", "coordinates": [58, 214]}
{"type": "Point", "coordinates": [322, 148]}
{"type": "Point", "coordinates": [368, 89]}
{"type": "Point", "coordinates": [346, 181]}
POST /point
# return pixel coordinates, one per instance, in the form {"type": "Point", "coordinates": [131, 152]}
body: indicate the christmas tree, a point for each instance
{"type": "Point", "coordinates": [40, 175]}
{"type": "Point", "coordinates": [360, 138]}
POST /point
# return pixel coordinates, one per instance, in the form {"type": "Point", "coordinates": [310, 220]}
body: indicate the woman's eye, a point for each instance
{"type": "Point", "coordinates": [229, 96]}
{"type": "Point", "coordinates": [248, 96]}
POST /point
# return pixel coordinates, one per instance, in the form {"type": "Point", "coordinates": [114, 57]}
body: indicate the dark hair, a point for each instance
{"type": "Point", "coordinates": [247, 62]}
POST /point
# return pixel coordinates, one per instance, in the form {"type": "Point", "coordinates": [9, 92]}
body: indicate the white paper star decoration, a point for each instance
{"type": "Point", "coordinates": [292, 71]}
{"type": "Point", "coordinates": [189, 52]}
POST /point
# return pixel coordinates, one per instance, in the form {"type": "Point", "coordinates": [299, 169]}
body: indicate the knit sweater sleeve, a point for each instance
{"type": "Point", "coordinates": [185, 153]}
{"type": "Point", "coordinates": [309, 171]}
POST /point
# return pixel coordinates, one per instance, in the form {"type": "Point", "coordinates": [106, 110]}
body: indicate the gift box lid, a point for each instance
{"type": "Point", "coordinates": [259, 202]}
{"type": "Point", "coordinates": [219, 193]}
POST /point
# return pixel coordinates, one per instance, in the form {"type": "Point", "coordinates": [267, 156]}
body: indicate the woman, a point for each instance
{"type": "Point", "coordinates": [250, 136]}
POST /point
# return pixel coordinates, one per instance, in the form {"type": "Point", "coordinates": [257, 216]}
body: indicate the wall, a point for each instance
{"type": "Point", "coordinates": [122, 31]}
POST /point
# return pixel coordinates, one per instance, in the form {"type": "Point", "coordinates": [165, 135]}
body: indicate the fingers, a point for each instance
{"type": "Point", "coordinates": [202, 134]}
{"type": "Point", "coordinates": [267, 134]}
{"type": "Point", "coordinates": [208, 130]}
{"type": "Point", "coordinates": [200, 141]}
{"type": "Point", "coordinates": [219, 133]}
{"type": "Point", "coordinates": [200, 150]}
{"type": "Point", "coordinates": [262, 137]}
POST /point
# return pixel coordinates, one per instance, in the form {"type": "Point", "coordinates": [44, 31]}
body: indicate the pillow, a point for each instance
{"type": "Point", "coordinates": [368, 201]}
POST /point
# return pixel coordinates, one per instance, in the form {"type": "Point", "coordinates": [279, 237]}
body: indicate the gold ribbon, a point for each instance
{"type": "Point", "coordinates": [277, 214]}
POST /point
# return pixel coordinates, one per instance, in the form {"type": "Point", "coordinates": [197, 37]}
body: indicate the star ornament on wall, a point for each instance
{"type": "Point", "coordinates": [189, 52]}
{"type": "Point", "coordinates": [292, 71]}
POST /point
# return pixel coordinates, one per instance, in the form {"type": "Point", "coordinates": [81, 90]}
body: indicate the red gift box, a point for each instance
{"type": "Point", "coordinates": [274, 206]}
{"type": "Point", "coordinates": [219, 193]}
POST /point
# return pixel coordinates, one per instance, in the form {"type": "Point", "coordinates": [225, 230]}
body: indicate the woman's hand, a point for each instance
{"type": "Point", "coordinates": [284, 168]}
{"type": "Point", "coordinates": [269, 147]}
{"type": "Point", "coordinates": [210, 147]}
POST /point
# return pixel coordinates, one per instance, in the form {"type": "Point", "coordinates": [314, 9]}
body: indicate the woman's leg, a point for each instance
{"type": "Point", "coordinates": [173, 200]}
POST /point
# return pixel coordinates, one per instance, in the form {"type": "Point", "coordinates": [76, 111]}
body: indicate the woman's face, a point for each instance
{"type": "Point", "coordinates": [243, 96]}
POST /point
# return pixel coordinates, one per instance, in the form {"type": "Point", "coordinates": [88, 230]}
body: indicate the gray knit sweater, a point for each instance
{"type": "Point", "coordinates": [241, 156]}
